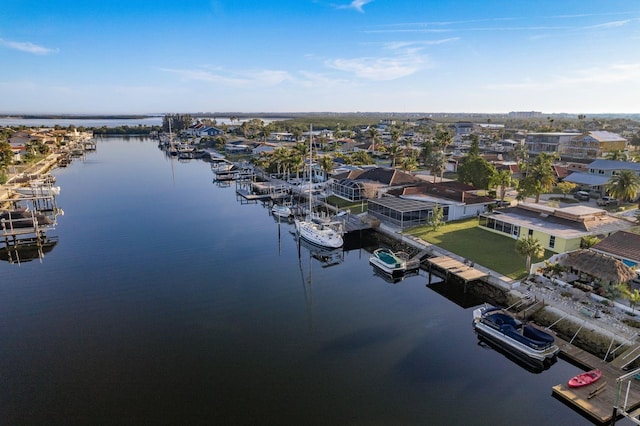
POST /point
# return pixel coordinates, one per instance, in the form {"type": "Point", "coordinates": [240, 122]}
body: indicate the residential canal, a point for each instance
{"type": "Point", "coordinates": [168, 301]}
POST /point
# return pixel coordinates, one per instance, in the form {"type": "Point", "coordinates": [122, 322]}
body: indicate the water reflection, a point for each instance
{"type": "Point", "coordinates": [456, 291]}
{"type": "Point", "coordinates": [28, 249]}
{"type": "Point", "coordinates": [24, 222]}
{"type": "Point", "coordinates": [391, 279]}
{"type": "Point", "coordinates": [326, 257]}
{"type": "Point", "coordinates": [528, 364]}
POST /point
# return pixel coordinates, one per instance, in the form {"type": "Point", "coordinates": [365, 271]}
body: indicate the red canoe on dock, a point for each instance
{"type": "Point", "coordinates": [585, 379]}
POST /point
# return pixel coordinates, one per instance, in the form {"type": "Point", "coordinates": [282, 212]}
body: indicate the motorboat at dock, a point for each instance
{"type": "Point", "coordinates": [388, 262]}
{"type": "Point", "coordinates": [282, 211]}
{"type": "Point", "coordinates": [510, 334]}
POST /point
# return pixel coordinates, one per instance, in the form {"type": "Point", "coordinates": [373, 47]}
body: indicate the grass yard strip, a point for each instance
{"type": "Point", "coordinates": [485, 248]}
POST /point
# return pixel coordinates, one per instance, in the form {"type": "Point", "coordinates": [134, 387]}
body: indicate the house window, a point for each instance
{"type": "Point", "coordinates": [516, 231]}
{"type": "Point", "coordinates": [530, 233]}
{"type": "Point", "coordinates": [552, 241]}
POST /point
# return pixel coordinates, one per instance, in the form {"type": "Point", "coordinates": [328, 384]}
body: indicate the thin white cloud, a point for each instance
{"type": "Point", "coordinates": [405, 44]}
{"type": "Point", "coordinates": [379, 69]}
{"type": "Point", "coordinates": [612, 74]}
{"type": "Point", "coordinates": [252, 78]}
{"type": "Point", "coordinates": [614, 24]}
{"type": "Point", "coordinates": [28, 47]}
{"type": "Point", "coordinates": [355, 5]}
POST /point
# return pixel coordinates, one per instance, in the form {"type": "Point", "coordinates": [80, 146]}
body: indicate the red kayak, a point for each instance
{"type": "Point", "coordinates": [585, 379]}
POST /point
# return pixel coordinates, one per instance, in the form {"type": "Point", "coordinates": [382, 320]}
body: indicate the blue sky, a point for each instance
{"type": "Point", "coordinates": [149, 56]}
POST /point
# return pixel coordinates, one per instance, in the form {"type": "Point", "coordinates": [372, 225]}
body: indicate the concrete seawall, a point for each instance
{"type": "Point", "coordinates": [547, 307]}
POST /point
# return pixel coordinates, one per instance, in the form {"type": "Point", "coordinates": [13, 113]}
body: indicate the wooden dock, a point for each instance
{"type": "Point", "coordinates": [249, 196]}
{"type": "Point", "coordinates": [595, 401]}
{"type": "Point", "coordinates": [450, 266]}
{"type": "Point", "coordinates": [353, 223]}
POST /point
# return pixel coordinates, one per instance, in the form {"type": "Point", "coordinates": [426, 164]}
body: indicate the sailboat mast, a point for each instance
{"type": "Point", "coordinates": [310, 162]}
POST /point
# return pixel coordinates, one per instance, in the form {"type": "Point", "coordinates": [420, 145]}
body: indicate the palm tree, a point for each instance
{"type": "Point", "coordinates": [437, 163]}
{"type": "Point", "coordinates": [540, 175]}
{"type": "Point", "coordinates": [581, 118]}
{"type": "Point", "coordinates": [634, 299]}
{"type": "Point", "coordinates": [409, 163]}
{"type": "Point", "coordinates": [565, 188]}
{"type": "Point", "coordinates": [437, 213]}
{"type": "Point", "coordinates": [521, 153]}
{"type": "Point", "coordinates": [529, 247]}
{"type": "Point", "coordinates": [502, 179]}
{"type": "Point", "coordinates": [395, 135]}
{"type": "Point", "coordinates": [373, 134]}
{"type": "Point", "coordinates": [554, 270]}
{"type": "Point", "coordinates": [361, 157]}
{"type": "Point", "coordinates": [394, 150]}
{"type": "Point", "coordinates": [443, 138]}
{"type": "Point", "coordinates": [588, 241]}
{"type": "Point", "coordinates": [618, 155]}
{"type": "Point", "coordinates": [625, 185]}
{"type": "Point", "coordinates": [326, 164]}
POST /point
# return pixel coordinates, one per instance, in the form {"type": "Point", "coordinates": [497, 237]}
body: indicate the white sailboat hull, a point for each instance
{"type": "Point", "coordinates": [318, 234]}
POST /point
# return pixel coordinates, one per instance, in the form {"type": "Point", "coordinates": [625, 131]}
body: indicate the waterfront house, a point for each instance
{"type": "Point", "coordinates": [282, 137]}
{"type": "Point", "coordinates": [209, 131]}
{"type": "Point", "coordinates": [237, 147]}
{"type": "Point", "coordinates": [548, 142]}
{"type": "Point", "coordinates": [592, 145]}
{"type": "Point", "coordinates": [461, 199]}
{"type": "Point", "coordinates": [557, 229]}
{"type": "Point", "coordinates": [598, 174]}
{"type": "Point", "coordinates": [403, 213]}
{"type": "Point", "coordinates": [355, 185]}
{"type": "Point", "coordinates": [264, 148]}
{"type": "Point", "coordinates": [463, 128]}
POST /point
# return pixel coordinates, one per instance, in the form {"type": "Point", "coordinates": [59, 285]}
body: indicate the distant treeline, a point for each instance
{"type": "Point", "coordinates": [82, 117]}
{"type": "Point", "coordinates": [126, 130]}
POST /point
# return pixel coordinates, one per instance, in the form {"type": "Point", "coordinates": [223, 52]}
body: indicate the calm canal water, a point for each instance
{"type": "Point", "coordinates": [168, 301]}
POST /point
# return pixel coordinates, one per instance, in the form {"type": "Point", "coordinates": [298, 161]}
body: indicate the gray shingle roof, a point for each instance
{"type": "Point", "coordinates": [621, 244]}
{"type": "Point", "coordinates": [587, 179]}
{"type": "Point", "coordinates": [614, 165]}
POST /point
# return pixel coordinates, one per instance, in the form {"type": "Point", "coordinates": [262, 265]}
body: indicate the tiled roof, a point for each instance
{"type": "Point", "coordinates": [621, 244]}
{"type": "Point", "coordinates": [386, 176]}
{"type": "Point", "coordinates": [452, 191]}
{"type": "Point", "coordinates": [561, 171]}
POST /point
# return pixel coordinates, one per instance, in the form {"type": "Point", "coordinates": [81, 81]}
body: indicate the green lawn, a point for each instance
{"type": "Point", "coordinates": [343, 204]}
{"type": "Point", "coordinates": [488, 249]}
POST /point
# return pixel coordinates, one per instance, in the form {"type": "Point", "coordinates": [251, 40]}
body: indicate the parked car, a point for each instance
{"type": "Point", "coordinates": [606, 201]}
{"type": "Point", "coordinates": [581, 195]}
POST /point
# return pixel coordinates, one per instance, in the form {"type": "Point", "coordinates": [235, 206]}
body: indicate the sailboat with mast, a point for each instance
{"type": "Point", "coordinates": [314, 231]}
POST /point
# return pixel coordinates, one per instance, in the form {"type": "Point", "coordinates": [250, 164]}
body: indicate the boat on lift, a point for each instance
{"type": "Point", "coordinates": [522, 340]}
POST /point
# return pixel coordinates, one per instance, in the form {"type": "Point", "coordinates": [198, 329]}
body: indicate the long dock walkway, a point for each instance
{"type": "Point", "coordinates": [597, 400]}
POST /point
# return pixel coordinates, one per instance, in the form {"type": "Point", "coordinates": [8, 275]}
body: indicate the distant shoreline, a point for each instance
{"type": "Point", "coordinates": [77, 116]}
